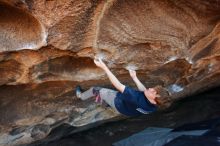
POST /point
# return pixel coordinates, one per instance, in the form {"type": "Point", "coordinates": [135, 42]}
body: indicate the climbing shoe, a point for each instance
{"type": "Point", "coordinates": [78, 91]}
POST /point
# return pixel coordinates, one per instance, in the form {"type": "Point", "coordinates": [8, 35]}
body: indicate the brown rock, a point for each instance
{"type": "Point", "coordinates": [10, 71]}
{"type": "Point", "coordinates": [48, 46]}
{"type": "Point", "coordinates": [19, 29]}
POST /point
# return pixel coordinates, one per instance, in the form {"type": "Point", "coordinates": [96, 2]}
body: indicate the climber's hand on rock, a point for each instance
{"type": "Point", "coordinates": [100, 63]}
{"type": "Point", "coordinates": [132, 73]}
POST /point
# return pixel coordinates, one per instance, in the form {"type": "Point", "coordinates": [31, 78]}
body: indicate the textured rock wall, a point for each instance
{"type": "Point", "coordinates": [149, 36]}
{"type": "Point", "coordinates": [19, 30]}
{"type": "Point", "coordinates": [48, 46]}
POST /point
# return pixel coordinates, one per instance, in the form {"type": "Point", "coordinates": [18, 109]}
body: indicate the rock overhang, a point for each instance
{"type": "Point", "coordinates": [51, 45]}
{"type": "Point", "coordinates": [19, 29]}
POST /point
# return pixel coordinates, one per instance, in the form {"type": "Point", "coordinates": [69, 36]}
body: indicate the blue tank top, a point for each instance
{"type": "Point", "coordinates": [133, 103]}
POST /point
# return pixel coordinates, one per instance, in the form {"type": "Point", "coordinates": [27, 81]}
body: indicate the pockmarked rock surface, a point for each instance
{"type": "Point", "coordinates": [47, 47]}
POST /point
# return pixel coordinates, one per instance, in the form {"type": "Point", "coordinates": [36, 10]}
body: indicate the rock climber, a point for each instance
{"type": "Point", "coordinates": [125, 100]}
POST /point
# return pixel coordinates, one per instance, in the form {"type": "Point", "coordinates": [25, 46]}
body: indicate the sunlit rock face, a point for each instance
{"type": "Point", "coordinates": [19, 30]}
{"type": "Point", "coordinates": [47, 47]}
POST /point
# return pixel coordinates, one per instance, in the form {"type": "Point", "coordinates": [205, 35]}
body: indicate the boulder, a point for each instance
{"type": "Point", "coordinates": [47, 47]}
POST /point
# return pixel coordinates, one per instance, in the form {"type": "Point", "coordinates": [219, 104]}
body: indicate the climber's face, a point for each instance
{"type": "Point", "coordinates": [151, 95]}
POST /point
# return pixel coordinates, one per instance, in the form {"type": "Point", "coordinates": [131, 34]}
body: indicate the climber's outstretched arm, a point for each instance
{"type": "Point", "coordinates": [116, 83]}
{"type": "Point", "coordinates": [138, 83]}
